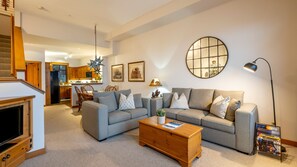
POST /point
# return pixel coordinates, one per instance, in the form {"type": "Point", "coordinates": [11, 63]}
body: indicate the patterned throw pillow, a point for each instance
{"type": "Point", "coordinates": [233, 106]}
{"type": "Point", "coordinates": [126, 102]}
{"type": "Point", "coordinates": [219, 106]}
{"type": "Point", "coordinates": [180, 103]}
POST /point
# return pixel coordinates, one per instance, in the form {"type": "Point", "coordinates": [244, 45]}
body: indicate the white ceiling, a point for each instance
{"type": "Point", "coordinates": [76, 50]}
{"type": "Point", "coordinates": [107, 14]}
{"type": "Point", "coordinates": [116, 18]}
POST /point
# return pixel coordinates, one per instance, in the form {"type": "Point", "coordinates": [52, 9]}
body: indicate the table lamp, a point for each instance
{"type": "Point", "coordinates": [155, 82]}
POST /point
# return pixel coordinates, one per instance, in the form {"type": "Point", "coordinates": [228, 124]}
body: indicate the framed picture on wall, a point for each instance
{"type": "Point", "coordinates": [136, 71]}
{"type": "Point", "coordinates": [117, 73]}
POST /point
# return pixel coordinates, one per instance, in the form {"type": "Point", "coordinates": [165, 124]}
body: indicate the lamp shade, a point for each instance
{"type": "Point", "coordinates": [155, 82]}
{"type": "Point", "coordinates": [251, 67]}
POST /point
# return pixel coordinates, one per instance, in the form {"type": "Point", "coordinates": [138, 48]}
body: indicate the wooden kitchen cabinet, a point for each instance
{"type": "Point", "coordinates": [65, 92]}
{"type": "Point", "coordinates": [73, 73]}
{"type": "Point", "coordinates": [69, 71]}
{"type": "Point", "coordinates": [76, 73]}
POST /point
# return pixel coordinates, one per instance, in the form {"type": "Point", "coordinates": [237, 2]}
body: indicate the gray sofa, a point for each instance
{"type": "Point", "coordinates": [102, 119]}
{"type": "Point", "coordinates": [238, 135]}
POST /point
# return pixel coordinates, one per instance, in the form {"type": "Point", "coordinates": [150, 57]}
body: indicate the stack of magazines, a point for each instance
{"type": "Point", "coordinates": [172, 125]}
{"type": "Point", "coordinates": [268, 139]}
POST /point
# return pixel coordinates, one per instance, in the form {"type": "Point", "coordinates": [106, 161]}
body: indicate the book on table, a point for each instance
{"type": "Point", "coordinates": [172, 125]}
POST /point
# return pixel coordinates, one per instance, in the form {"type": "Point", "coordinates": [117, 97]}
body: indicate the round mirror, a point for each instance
{"type": "Point", "coordinates": [207, 57]}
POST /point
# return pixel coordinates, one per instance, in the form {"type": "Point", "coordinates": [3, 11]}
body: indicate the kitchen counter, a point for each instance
{"type": "Point", "coordinates": [92, 83]}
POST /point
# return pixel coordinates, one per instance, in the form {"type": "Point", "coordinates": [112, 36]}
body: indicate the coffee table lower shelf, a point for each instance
{"type": "Point", "coordinates": [182, 143]}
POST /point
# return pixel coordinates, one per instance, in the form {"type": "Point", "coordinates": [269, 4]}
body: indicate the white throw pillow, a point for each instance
{"type": "Point", "coordinates": [126, 103]}
{"type": "Point", "coordinates": [181, 102]}
{"type": "Point", "coordinates": [219, 106]}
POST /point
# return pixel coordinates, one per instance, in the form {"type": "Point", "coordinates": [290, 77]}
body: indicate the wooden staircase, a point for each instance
{"type": "Point", "coordinates": [5, 56]}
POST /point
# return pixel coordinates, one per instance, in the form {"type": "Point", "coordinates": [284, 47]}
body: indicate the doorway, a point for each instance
{"type": "Point", "coordinates": [33, 73]}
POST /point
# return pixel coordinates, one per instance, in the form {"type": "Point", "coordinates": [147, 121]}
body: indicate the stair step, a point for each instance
{"type": "Point", "coordinates": [5, 60]}
{"type": "Point", "coordinates": [4, 49]}
{"type": "Point", "coordinates": [4, 36]}
{"type": "Point", "coordinates": [4, 66]}
{"type": "Point", "coordinates": [4, 54]}
{"type": "Point", "coordinates": [5, 44]}
{"type": "Point", "coordinates": [4, 73]}
{"type": "Point", "coordinates": [4, 40]}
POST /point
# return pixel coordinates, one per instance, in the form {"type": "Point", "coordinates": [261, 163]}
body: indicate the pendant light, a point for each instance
{"type": "Point", "coordinates": [97, 62]}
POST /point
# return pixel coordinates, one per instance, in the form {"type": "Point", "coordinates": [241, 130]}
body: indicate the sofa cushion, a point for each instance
{"type": "Point", "coordinates": [109, 101]}
{"type": "Point", "coordinates": [137, 100]}
{"type": "Point", "coordinates": [171, 112]}
{"type": "Point", "coordinates": [192, 116]}
{"type": "Point", "coordinates": [180, 102]}
{"type": "Point", "coordinates": [118, 116]}
{"type": "Point", "coordinates": [96, 95]}
{"type": "Point", "coordinates": [233, 106]}
{"type": "Point", "coordinates": [179, 91]}
{"type": "Point", "coordinates": [211, 121]}
{"type": "Point", "coordinates": [232, 94]}
{"type": "Point", "coordinates": [201, 99]}
{"type": "Point", "coordinates": [138, 112]}
{"type": "Point", "coordinates": [124, 92]}
{"type": "Point", "coordinates": [167, 99]}
{"type": "Point", "coordinates": [126, 102]}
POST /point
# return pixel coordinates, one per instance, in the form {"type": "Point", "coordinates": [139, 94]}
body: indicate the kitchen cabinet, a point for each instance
{"type": "Point", "coordinates": [77, 73]}
{"type": "Point", "coordinates": [65, 92]}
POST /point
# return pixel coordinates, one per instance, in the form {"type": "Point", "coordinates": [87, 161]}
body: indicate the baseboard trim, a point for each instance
{"type": "Point", "coordinates": [35, 153]}
{"type": "Point", "coordinates": [289, 142]}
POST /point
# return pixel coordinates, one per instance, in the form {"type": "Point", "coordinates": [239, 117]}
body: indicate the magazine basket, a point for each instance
{"type": "Point", "coordinates": [268, 140]}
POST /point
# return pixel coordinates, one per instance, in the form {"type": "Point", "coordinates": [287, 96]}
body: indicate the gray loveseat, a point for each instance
{"type": "Point", "coordinates": [238, 135]}
{"type": "Point", "coordinates": [102, 119]}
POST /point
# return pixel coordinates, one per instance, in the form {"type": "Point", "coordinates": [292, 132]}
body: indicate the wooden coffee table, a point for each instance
{"type": "Point", "coordinates": [182, 143]}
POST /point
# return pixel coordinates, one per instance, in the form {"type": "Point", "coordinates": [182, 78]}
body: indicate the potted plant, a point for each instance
{"type": "Point", "coordinates": [161, 116]}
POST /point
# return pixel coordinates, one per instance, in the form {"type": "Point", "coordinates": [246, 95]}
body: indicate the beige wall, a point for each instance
{"type": "Point", "coordinates": [250, 29]}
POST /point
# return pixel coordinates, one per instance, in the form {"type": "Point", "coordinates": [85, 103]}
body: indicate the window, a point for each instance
{"type": "Point", "coordinates": [62, 72]}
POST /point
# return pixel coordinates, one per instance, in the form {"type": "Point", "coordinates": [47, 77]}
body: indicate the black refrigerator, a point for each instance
{"type": "Point", "coordinates": [55, 87]}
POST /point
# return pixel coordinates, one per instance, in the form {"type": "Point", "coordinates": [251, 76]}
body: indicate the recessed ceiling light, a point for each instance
{"type": "Point", "coordinates": [52, 53]}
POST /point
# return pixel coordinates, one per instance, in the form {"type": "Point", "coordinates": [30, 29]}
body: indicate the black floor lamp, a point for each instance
{"type": "Point", "coordinates": [252, 67]}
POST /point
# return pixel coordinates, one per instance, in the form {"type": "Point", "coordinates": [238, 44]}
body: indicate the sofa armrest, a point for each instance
{"type": "Point", "coordinates": [245, 118]}
{"type": "Point", "coordinates": [156, 103]}
{"type": "Point", "coordinates": [146, 104]}
{"type": "Point", "coordinates": [95, 119]}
